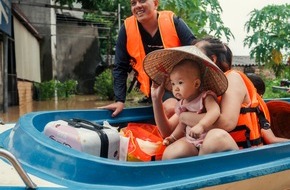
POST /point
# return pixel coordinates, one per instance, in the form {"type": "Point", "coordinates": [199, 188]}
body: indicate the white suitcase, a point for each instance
{"type": "Point", "coordinates": [85, 136]}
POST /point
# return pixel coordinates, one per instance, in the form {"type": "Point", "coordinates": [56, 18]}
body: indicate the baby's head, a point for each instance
{"type": "Point", "coordinates": [186, 77]}
{"type": "Point", "coordinates": [159, 64]}
{"type": "Point", "coordinates": [188, 68]}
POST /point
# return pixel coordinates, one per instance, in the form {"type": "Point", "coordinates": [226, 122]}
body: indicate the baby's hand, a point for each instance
{"type": "Point", "coordinates": [168, 140]}
{"type": "Point", "coordinates": [196, 131]}
{"type": "Point", "coordinates": [157, 91]}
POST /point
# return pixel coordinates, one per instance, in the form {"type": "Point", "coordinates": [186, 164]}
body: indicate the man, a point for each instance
{"type": "Point", "coordinates": [145, 31]}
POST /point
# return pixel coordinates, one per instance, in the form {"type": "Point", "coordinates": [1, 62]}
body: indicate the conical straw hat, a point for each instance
{"type": "Point", "coordinates": [158, 64]}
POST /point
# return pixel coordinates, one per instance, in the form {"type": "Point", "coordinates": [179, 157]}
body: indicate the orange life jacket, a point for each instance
{"type": "Point", "coordinates": [252, 118]}
{"type": "Point", "coordinates": [135, 45]}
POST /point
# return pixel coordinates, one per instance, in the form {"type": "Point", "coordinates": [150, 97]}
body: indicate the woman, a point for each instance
{"type": "Point", "coordinates": [237, 90]}
{"type": "Point", "coordinates": [217, 139]}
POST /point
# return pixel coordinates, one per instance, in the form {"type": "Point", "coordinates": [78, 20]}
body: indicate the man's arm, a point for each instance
{"type": "Point", "coordinates": [121, 66]}
{"type": "Point", "coordinates": [184, 33]}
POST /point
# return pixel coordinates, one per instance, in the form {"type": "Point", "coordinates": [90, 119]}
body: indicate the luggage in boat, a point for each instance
{"type": "Point", "coordinates": [85, 136]}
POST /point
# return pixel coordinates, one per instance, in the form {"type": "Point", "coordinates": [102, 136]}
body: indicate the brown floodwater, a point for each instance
{"type": "Point", "coordinates": [77, 102]}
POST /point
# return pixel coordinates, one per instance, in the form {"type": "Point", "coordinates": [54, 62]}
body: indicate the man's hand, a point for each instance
{"type": "Point", "coordinates": [116, 107]}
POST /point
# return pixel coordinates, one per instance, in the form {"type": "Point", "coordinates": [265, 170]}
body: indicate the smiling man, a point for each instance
{"type": "Point", "coordinates": [145, 31]}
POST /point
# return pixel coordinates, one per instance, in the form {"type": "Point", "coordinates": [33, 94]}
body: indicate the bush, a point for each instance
{"type": "Point", "coordinates": [104, 85]}
{"type": "Point", "coordinates": [70, 87]}
{"type": "Point", "coordinates": [45, 90]}
{"type": "Point", "coordinates": [270, 93]}
{"type": "Point", "coordinates": [54, 88]}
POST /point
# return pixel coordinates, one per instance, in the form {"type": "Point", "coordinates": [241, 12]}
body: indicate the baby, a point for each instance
{"type": "Point", "coordinates": [186, 81]}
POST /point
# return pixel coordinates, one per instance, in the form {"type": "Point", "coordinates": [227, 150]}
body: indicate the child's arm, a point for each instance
{"type": "Point", "coordinates": [211, 115]}
{"type": "Point", "coordinates": [165, 125]}
{"type": "Point", "coordinates": [176, 134]}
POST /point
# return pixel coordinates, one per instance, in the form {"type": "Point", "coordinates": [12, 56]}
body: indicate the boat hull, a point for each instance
{"type": "Point", "coordinates": [75, 170]}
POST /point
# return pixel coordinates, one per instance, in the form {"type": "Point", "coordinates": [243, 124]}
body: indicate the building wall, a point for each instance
{"type": "Point", "coordinates": [27, 53]}
{"type": "Point", "coordinates": [68, 50]}
{"type": "Point", "coordinates": [78, 54]}
{"type": "Point", "coordinates": [40, 18]}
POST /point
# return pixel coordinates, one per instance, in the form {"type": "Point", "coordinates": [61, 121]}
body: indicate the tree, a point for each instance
{"type": "Point", "coordinates": [202, 16]}
{"type": "Point", "coordinates": [270, 37]}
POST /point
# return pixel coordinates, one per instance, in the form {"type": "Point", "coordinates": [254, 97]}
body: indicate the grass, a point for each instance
{"type": "Point", "coordinates": [270, 93]}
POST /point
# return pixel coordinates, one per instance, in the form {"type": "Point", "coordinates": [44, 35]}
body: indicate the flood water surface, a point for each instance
{"type": "Point", "coordinates": [77, 102]}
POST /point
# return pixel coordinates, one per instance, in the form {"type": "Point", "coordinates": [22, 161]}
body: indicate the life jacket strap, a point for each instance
{"type": "Point", "coordinates": [248, 142]}
{"type": "Point", "coordinates": [254, 142]}
{"type": "Point", "coordinates": [264, 123]}
{"type": "Point", "coordinates": [248, 110]}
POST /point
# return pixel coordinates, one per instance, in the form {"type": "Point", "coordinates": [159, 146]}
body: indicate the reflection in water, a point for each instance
{"type": "Point", "coordinates": [76, 102]}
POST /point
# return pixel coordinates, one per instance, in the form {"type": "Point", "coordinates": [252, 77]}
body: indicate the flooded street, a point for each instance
{"type": "Point", "coordinates": [76, 102]}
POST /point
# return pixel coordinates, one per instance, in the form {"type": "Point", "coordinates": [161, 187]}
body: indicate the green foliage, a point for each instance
{"type": "Point", "coordinates": [272, 93]}
{"type": "Point", "coordinates": [45, 90]}
{"type": "Point", "coordinates": [270, 82]}
{"type": "Point", "coordinates": [104, 85]}
{"type": "Point", "coordinates": [70, 87]}
{"type": "Point", "coordinates": [202, 16]}
{"type": "Point", "coordinates": [270, 39]}
{"type": "Point", "coordinates": [49, 89]}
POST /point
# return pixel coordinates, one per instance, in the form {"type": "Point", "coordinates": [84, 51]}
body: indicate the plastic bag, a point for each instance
{"type": "Point", "coordinates": [140, 142]}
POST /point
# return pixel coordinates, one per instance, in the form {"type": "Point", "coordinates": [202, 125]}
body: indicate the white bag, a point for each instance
{"type": "Point", "coordinates": [85, 136]}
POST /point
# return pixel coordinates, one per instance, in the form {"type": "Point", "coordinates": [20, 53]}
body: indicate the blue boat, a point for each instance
{"type": "Point", "coordinates": [45, 164]}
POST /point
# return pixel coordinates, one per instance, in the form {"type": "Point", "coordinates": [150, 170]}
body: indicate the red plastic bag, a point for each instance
{"type": "Point", "coordinates": [145, 142]}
